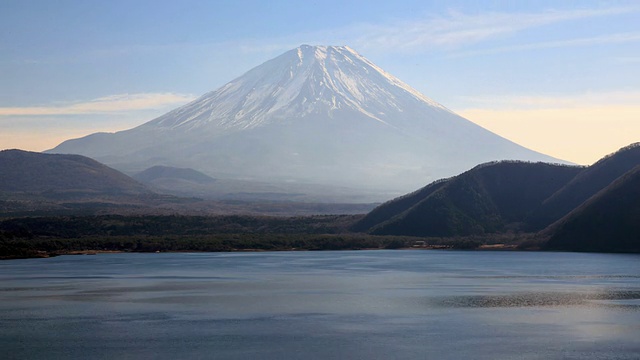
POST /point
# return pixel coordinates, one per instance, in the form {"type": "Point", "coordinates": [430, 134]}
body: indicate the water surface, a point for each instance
{"type": "Point", "coordinates": [322, 305]}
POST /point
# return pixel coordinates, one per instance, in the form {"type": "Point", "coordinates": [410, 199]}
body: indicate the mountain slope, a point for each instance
{"type": "Point", "coordinates": [485, 199]}
{"type": "Point", "coordinates": [159, 173]}
{"type": "Point", "coordinates": [30, 172]}
{"type": "Point", "coordinates": [315, 115]}
{"type": "Point", "coordinates": [183, 182]}
{"type": "Point", "coordinates": [608, 221]}
{"type": "Point", "coordinates": [586, 184]}
{"type": "Point", "coordinates": [389, 209]}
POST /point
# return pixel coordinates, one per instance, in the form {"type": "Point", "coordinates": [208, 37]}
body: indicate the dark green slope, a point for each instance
{"type": "Point", "coordinates": [607, 222]}
{"type": "Point", "coordinates": [488, 198]}
{"type": "Point", "coordinates": [54, 174]}
{"type": "Point", "coordinates": [586, 184]}
{"type": "Point", "coordinates": [462, 207]}
{"type": "Point", "coordinates": [396, 206]}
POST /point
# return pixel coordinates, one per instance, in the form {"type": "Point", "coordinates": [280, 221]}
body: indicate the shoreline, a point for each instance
{"type": "Point", "coordinates": [45, 254]}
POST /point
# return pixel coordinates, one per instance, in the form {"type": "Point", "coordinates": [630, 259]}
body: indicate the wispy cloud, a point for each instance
{"type": "Point", "coordinates": [524, 102]}
{"type": "Point", "coordinates": [589, 41]}
{"type": "Point", "coordinates": [627, 60]}
{"type": "Point", "coordinates": [457, 29]}
{"type": "Point", "coordinates": [103, 105]}
{"type": "Point", "coordinates": [449, 31]}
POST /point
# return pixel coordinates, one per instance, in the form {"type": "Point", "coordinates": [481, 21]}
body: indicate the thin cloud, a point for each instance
{"type": "Point", "coordinates": [626, 60]}
{"type": "Point", "coordinates": [619, 38]}
{"type": "Point", "coordinates": [103, 105]}
{"type": "Point", "coordinates": [449, 32]}
{"type": "Point", "coordinates": [459, 29]}
{"type": "Point", "coordinates": [519, 102]}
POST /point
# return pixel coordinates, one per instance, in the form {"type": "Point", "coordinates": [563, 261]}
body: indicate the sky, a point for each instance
{"type": "Point", "coordinates": [559, 77]}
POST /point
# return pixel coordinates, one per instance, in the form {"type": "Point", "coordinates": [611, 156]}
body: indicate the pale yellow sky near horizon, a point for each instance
{"type": "Point", "coordinates": [565, 128]}
{"type": "Point", "coordinates": [576, 135]}
{"type": "Point", "coordinates": [565, 135]}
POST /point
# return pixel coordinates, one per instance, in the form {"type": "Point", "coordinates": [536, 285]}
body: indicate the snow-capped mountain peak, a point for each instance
{"type": "Point", "coordinates": [306, 80]}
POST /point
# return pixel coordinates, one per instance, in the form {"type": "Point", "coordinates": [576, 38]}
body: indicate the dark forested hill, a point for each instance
{"type": "Point", "coordinates": [159, 173]}
{"type": "Point", "coordinates": [586, 184]}
{"type": "Point", "coordinates": [488, 198]}
{"type": "Point", "coordinates": [608, 221]}
{"type": "Point", "coordinates": [34, 183]}
{"type": "Point", "coordinates": [55, 174]}
{"type": "Point", "coordinates": [396, 206]}
{"type": "Point", "coordinates": [595, 208]}
{"type": "Point", "coordinates": [183, 182]}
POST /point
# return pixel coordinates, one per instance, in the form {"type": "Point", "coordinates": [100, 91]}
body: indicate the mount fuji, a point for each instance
{"type": "Point", "coordinates": [320, 115]}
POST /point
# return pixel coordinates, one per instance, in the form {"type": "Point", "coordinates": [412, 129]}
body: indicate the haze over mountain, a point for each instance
{"type": "Point", "coordinates": [33, 184]}
{"type": "Point", "coordinates": [159, 173]}
{"type": "Point", "coordinates": [313, 115]}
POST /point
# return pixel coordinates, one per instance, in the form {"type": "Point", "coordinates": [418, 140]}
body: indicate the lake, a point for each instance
{"type": "Point", "coordinates": [414, 304]}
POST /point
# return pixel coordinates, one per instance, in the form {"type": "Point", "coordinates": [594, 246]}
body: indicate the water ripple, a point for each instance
{"type": "Point", "coordinates": [629, 299]}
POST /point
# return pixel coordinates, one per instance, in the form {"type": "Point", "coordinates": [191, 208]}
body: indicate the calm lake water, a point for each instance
{"type": "Point", "coordinates": [322, 305]}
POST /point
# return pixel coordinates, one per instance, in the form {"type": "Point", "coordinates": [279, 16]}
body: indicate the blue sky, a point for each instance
{"type": "Point", "coordinates": [561, 77]}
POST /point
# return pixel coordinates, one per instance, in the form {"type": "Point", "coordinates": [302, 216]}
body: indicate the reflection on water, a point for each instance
{"type": "Point", "coordinates": [543, 299]}
{"type": "Point", "coordinates": [320, 305]}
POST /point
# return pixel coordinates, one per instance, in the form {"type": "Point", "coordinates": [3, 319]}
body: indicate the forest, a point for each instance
{"type": "Point", "coordinates": [50, 236]}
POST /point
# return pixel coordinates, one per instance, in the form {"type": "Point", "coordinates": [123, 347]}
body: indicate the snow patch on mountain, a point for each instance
{"type": "Point", "coordinates": [306, 80]}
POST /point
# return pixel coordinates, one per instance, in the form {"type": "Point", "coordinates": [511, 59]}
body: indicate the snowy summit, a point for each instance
{"type": "Point", "coordinates": [306, 80]}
